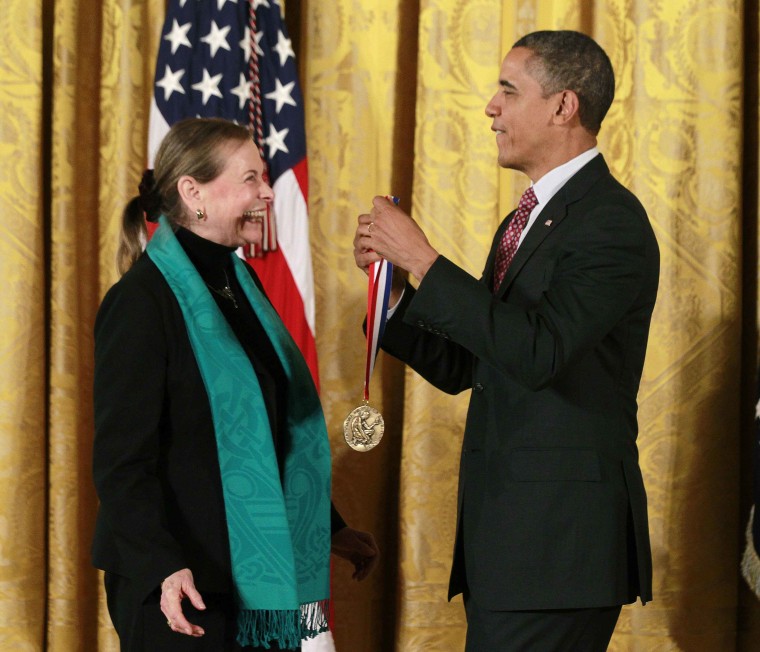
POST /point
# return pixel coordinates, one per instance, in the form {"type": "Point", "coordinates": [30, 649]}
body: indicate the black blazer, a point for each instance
{"type": "Point", "coordinates": [155, 462]}
{"type": "Point", "coordinates": [552, 508]}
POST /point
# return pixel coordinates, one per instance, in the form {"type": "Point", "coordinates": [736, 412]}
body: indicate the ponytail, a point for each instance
{"type": "Point", "coordinates": [133, 236]}
{"type": "Point", "coordinates": [134, 233]}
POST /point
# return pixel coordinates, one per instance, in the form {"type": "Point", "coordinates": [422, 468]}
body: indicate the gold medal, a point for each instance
{"type": "Point", "coordinates": [363, 428]}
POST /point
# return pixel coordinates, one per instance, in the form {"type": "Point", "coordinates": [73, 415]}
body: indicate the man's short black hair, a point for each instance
{"type": "Point", "coordinates": [568, 60]}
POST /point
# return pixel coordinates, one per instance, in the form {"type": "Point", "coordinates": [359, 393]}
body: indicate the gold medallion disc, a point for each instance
{"type": "Point", "coordinates": [363, 428]}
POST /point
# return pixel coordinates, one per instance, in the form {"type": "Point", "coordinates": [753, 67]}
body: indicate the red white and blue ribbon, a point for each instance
{"type": "Point", "coordinates": [378, 293]}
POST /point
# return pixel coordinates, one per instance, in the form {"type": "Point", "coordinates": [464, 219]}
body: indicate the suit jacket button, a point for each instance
{"type": "Point", "coordinates": [477, 387]}
{"type": "Point", "coordinates": [420, 323]}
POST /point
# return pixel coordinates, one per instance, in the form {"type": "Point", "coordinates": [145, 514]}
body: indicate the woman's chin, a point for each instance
{"type": "Point", "coordinates": [252, 234]}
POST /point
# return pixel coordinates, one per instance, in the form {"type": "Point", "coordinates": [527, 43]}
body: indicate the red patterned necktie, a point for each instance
{"type": "Point", "coordinates": [511, 237]}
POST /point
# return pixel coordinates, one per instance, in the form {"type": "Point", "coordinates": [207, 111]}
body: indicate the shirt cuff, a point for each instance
{"type": "Point", "coordinates": [390, 312]}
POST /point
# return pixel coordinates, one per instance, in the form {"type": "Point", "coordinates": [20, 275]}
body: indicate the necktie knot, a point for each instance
{"type": "Point", "coordinates": [528, 201]}
{"type": "Point", "coordinates": [511, 238]}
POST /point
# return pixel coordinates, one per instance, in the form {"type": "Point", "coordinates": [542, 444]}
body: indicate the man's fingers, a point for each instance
{"type": "Point", "coordinates": [379, 201]}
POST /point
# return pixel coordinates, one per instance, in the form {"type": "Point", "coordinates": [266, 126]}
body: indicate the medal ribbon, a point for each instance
{"type": "Point", "coordinates": [378, 293]}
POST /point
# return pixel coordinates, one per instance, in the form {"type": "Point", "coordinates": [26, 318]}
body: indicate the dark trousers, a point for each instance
{"type": "Point", "coordinates": [142, 627]}
{"type": "Point", "coordinates": [554, 630]}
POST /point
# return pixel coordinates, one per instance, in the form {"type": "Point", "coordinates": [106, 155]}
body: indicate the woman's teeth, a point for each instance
{"type": "Point", "coordinates": [254, 215]}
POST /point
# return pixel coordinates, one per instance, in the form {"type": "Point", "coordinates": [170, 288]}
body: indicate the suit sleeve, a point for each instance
{"type": "Point", "coordinates": [445, 364]}
{"type": "Point", "coordinates": [598, 275]}
{"type": "Point", "coordinates": [129, 395]}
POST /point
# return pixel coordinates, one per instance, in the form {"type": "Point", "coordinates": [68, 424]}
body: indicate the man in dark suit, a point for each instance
{"type": "Point", "coordinates": [552, 536]}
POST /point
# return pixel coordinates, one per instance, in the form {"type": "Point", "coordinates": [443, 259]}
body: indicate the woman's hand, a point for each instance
{"type": "Point", "coordinates": [357, 547]}
{"type": "Point", "coordinates": [174, 588]}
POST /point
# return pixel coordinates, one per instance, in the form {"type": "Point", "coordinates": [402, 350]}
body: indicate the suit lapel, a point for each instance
{"type": "Point", "coordinates": [547, 221]}
{"type": "Point", "coordinates": [550, 217]}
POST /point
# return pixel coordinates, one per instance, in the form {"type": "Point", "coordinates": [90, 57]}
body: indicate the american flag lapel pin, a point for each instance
{"type": "Point", "coordinates": [548, 223]}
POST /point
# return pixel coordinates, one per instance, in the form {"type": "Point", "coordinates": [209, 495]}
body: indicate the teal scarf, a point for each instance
{"type": "Point", "coordinates": [279, 530]}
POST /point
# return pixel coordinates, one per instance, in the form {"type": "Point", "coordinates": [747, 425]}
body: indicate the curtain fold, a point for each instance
{"type": "Point", "coordinates": [23, 459]}
{"type": "Point", "coordinates": [354, 64]}
{"type": "Point", "coordinates": [103, 55]}
{"type": "Point", "coordinates": [395, 95]}
{"type": "Point", "coordinates": [73, 255]}
{"type": "Point", "coordinates": [675, 139]}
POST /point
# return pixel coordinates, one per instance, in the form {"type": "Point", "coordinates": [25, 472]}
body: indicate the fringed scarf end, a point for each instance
{"type": "Point", "coordinates": [314, 616]}
{"type": "Point", "coordinates": [286, 627]}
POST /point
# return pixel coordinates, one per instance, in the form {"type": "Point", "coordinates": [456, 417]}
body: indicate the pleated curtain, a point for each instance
{"type": "Point", "coordinates": [395, 96]}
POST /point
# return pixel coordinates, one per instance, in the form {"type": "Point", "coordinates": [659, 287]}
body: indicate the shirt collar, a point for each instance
{"type": "Point", "coordinates": [549, 184]}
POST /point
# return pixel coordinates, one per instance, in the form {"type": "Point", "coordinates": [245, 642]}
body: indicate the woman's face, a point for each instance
{"type": "Point", "coordinates": [235, 202]}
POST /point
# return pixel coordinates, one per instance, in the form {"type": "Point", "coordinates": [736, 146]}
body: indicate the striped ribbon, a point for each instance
{"type": "Point", "coordinates": [378, 293]}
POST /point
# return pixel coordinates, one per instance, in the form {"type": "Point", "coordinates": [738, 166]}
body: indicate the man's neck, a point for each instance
{"type": "Point", "coordinates": [557, 156]}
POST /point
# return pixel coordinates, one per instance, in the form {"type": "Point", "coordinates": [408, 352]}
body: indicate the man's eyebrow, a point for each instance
{"type": "Point", "coordinates": [507, 84]}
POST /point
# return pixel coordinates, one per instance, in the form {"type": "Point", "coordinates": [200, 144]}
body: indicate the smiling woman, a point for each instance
{"type": "Point", "coordinates": [233, 203]}
{"type": "Point", "coordinates": [205, 407]}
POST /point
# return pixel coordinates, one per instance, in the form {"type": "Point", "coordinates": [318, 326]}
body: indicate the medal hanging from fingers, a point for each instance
{"type": "Point", "coordinates": [364, 426]}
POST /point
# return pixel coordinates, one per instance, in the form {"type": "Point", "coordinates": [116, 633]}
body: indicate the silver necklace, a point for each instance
{"type": "Point", "coordinates": [226, 291]}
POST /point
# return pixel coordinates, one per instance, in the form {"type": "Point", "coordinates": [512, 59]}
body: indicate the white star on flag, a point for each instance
{"type": "Point", "coordinates": [242, 91]}
{"type": "Point", "coordinates": [276, 140]}
{"type": "Point", "coordinates": [208, 86]}
{"type": "Point", "coordinates": [281, 95]}
{"type": "Point", "coordinates": [284, 48]}
{"type": "Point", "coordinates": [257, 38]}
{"type": "Point", "coordinates": [259, 3]}
{"type": "Point", "coordinates": [170, 82]}
{"type": "Point", "coordinates": [178, 36]}
{"type": "Point", "coordinates": [245, 44]}
{"type": "Point", "coordinates": [217, 38]}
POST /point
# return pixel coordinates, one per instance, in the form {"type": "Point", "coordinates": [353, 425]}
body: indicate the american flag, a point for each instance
{"type": "Point", "coordinates": [209, 54]}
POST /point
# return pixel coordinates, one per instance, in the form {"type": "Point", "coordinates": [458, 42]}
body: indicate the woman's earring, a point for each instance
{"type": "Point", "coordinates": [200, 214]}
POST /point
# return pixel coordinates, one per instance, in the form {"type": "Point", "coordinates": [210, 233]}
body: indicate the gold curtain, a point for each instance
{"type": "Point", "coordinates": [395, 95]}
{"type": "Point", "coordinates": [23, 468]}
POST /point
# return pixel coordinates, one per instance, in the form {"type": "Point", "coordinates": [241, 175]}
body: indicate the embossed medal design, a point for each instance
{"type": "Point", "coordinates": [363, 428]}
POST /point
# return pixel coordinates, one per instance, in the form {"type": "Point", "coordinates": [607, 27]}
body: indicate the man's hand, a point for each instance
{"type": "Point", "coordinates": [357, 547]}
{"type": "Point", "coordinates": [174, 588]}
{"type": "Point", "coordinates": [387, 232]}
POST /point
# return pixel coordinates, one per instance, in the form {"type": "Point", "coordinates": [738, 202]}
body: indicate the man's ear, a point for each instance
{"type": "Point", "coordinates": [568, 107]}
{"type": "Point", "coordinates": [189, 191]}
